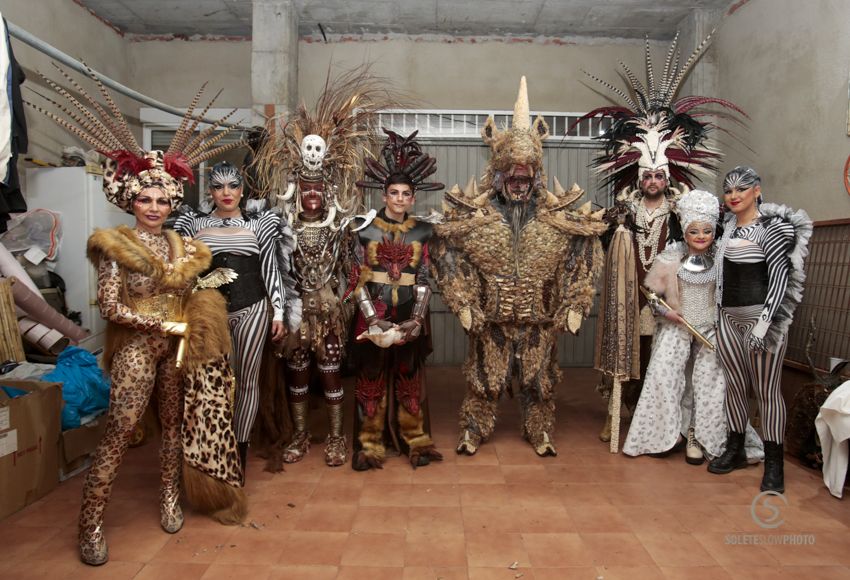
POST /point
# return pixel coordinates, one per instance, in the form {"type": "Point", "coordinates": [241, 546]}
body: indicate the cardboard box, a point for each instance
{"type": "Point", "coordinates": [29, 443]}
{"type": "Point", "coordinates": [76, 445]}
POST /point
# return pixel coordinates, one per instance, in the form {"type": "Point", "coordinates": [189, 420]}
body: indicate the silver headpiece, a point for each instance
{"type": "Point", "coordinates": [698, 206]}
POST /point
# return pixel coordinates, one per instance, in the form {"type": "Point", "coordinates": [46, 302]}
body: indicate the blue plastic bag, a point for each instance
{"type": "Point", "coordinates": [85, 387]}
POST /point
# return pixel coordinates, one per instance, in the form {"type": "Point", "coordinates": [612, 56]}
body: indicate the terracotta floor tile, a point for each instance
{"type": "Point", "coordinates": [48, 512]}
{"type": "Point", "coordinates": [436, 472]}
{"type": "Point", "coordinates": [303, 573]}
{"type": "Point", "coordinates": [582, 494]}
{"type": "Point", "coordinates": [480, 474]}
{"type": "Point", "coordinates": [556, 550]}
{"type": "Point", "coordinates": [381, 550]}
{"type": "Point", "coordinates": [237, 572]}
{"type": "Point", "coordinates": [434, 495]}
{"type": "Point", "coordinates": [500, 573]}
{"type": "Point", "coordinates": [252, 546]}
{"type": "Point", "coordinates": [271, 516]}
{"type": "Point", "coordinates": [172, 571]}
{"type": "Point", "coordinates": [313, 548]}
{"type": "Point", "coordinates": [369, 573]}
{"type": "Point", "coordinates": [380, 520]}
{"type": "Point", "coordinates": [444, 550]}
{"type": "Point", "coordinates": [696, 573]}
{"type": "Point", "coordinates": [598, 518]}
{"type": "Point", "coordinates": [671, 550]}
{"type": "Point", "coordinates": [730, 554]}
{"type": "Point", "coordinates": [195, 546]}
{"type": "Point", "coordinates": [508, 518]}
{"type": "Point", "coordinates": [115, 570]}
{"type": "Point", "coordinates": [282, 491]}
{"type": "Point", "coordinates": [483, 494]}
{"type": "Point", "coordinates": [546, 519]}
{"type": "Point", "coordinates": [42, 568]}
{"type": "Point", "coordinates": [571, 573]}
{"type": "Point", "coordinates": [435, 520]}
{"type": "Point", "coordinates": [491, 549]}
{"type": "Point", "coordinates": [788, 572]}
{"type": "Point", "coordinates": [337, 492]}
{"type": "Point", "coordinates": [526, 474]}
{"type": "Point", "coordinates": [829, 549]}
{"type": "Point", "coordinates": [617, 549]}
{"type": "Point", "coordinates": [652, 518]}
{"type": "Point", "coordinates": [537, 494]}
{"type": "Point", "coordinates": [434, 573]}
{"type": "Point", "coordinates": [629, 572]}
{"type": "Point", "coordinates": [706, 519]}
{"type": "Point", "coordinates": [326, 517]}
{"type": "Point", "coordinates": [21, 542]}
{"type": "Point", "coordinates": [389, 494]}
{"type": "Point", "coordinates": [486, 455]}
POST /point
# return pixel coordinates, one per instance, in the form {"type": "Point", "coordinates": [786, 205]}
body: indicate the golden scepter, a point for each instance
{"type": "Point", "coordinates": [216, 278]}
{"type": "Point", "coordinates": [656, 300]}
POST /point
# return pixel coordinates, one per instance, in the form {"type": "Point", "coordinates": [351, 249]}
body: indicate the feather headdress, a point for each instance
{"type": "Point", "coordinates": [401, 155]}
{"type": "Point", "coordinates": [128, 169]}
{"type": "Point", "coordinates": [654, 131]}
{"type": "Point", "coordinates": [345, 117]}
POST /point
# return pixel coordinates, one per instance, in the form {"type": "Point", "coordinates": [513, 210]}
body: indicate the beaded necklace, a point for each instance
{"type": "Point", "coordinates": [650, 230]}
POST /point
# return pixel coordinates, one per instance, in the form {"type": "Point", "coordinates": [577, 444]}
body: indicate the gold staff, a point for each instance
{"type": "Point", "coordinates": [656, 300]}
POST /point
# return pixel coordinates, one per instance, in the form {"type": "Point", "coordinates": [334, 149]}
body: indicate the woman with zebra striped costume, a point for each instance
{"type": "Point", "coordinates": [247, 242]}
{"type": "Point", "coordinates": [759, 284]}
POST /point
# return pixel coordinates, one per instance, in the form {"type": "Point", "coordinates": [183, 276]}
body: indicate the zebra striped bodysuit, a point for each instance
{"type": "Point", "coordinates": [249, 326]}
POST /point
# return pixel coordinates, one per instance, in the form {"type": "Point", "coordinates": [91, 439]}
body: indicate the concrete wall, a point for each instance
{"type": "Point", "coordinates": [73, 30]}
{"type": "Point", "coordinates": [785, 63]}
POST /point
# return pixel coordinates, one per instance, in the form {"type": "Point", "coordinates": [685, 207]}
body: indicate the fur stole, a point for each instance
{"type": "Point", "coordinates": [121, 244]}
{"type": "Point", "coordinates": [663, 278]}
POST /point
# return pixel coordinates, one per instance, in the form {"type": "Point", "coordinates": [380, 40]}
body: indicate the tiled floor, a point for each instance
{"type": "Point", "coordinates": [503, 514]}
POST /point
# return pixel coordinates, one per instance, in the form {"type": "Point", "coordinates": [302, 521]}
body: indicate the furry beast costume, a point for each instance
{"type": "Point", "coordinates": [515, 287]}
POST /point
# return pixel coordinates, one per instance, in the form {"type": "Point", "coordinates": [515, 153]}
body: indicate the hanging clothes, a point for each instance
{"type": "Point", "coordinates": [13, 130]}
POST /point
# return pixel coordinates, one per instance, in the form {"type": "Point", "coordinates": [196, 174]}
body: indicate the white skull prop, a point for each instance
{"type": "Point", "coordinates": [313, 150]}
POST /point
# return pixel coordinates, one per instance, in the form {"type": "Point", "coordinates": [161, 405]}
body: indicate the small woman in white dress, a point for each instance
{"type": "Point", "coordinates": [683, 397]}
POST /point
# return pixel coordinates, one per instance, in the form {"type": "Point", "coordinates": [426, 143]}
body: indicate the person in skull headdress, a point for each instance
{"type": "Point", "coordinates": [392, 293]}
{"type": "Point", "coordinates": [518, 267]}
{"type": "Point", "coordinates": [311, 169]}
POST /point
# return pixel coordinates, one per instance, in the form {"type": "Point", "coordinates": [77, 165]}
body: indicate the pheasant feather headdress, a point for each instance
{"type": "Point", "coordinates": [652, 131]}
{"type": "Point", "coordinates": [128, 169]}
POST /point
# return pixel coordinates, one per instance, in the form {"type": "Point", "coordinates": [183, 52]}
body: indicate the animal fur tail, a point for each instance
{"type": "Point", "coordinates": [222, 502]}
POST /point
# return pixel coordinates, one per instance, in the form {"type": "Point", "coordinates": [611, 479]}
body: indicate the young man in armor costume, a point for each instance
{"type": "Point", "coordinates": [392, 336]}
{"type": "Point", "coordinates": [518, 267]}
{"type": "Point", "coordinates": [651, 141]}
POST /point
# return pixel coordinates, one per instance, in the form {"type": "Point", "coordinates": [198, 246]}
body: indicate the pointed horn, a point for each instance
{"type": "Point", "coordinates": [551, 199]}
{"type": "Point", "coordinates": [326, 222]}
{"type": "Point", "coordinates": [290, 191]}
{"type": "Point", "coordinates": [559, 189]}
{"type": "Point", "coordinates": [584, 209]}
{"type": "Point", "coordinates": [467, 190]}
{"type": "Point", "coordinates": [521, 114]}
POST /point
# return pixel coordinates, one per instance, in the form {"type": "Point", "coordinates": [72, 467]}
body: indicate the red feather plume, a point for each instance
{"type": "Point", "coordinates": [177, 167]}
{"type": "Point", "coordinates": [128, 162]}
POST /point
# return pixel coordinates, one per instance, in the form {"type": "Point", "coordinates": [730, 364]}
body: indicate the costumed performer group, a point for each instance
{"type": "Point", "coordinates": [517, 263]}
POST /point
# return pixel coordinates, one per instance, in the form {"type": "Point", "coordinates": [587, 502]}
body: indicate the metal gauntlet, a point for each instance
{"type": "Point", "coordinates": [364, 301]}
{"type": "Point", "coordinates": [422, 294]}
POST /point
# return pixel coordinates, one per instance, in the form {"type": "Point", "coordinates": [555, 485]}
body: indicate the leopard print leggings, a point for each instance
{"type": "Point", "coordinates": [146, 361]}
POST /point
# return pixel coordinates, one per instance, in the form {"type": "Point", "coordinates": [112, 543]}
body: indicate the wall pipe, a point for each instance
{"type": "Point", "coordinates": [53, 52]}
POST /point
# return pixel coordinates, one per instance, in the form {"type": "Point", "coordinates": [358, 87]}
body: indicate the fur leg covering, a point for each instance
{"type": "Point", "coordinates": [371, 438]}
{"type": "Point", "coordinates": [219, 500]}
{"type": "Point", "coordinates": [478, 415]}
{"type": "Point", "coordinates": [212, 473]}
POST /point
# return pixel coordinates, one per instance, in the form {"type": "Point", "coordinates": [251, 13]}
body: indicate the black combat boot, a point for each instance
{"type": "Point", "coordinates": [733, 458]}
{"type": "Point", "coordinates": [774, 474]}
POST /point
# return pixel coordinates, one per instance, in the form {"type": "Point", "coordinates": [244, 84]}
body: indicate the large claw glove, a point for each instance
{"type": "Point", "coordinates": [574, 320]}
{"type": "Point", "coordinates": [410, 329]}
{"type": "Point", "coordinates": [471, 319]}
{"type": "Point", "coordinates": [174, 328]}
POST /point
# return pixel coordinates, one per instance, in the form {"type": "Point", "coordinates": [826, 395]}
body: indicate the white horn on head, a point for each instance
{"type": "Point", "coordinates": [326, 222]}
{"type": "Point", "coordinates": [521, 114]}
{"type": "Point", "coordinates": [290, 191]}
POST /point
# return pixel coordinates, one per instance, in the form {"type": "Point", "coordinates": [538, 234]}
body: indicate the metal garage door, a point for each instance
{"type": "Point", "coordinates": [457, 161]}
